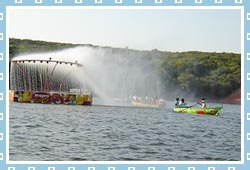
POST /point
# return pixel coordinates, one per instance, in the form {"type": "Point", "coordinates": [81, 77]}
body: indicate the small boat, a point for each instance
{"type": "Point", "coordinates": [140, 104]}
{"type": "Point", "coordinates": [194, 110]}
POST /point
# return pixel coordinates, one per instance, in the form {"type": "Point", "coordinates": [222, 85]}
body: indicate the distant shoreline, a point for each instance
{"type": "Point", "coordinates": [234, 98]}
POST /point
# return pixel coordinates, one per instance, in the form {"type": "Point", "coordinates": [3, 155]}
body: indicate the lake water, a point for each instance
{"type": "Point", "coordinates": [42, 132]}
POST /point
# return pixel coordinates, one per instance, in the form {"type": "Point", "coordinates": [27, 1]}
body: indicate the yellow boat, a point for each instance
{"type": "Point", "coordinates": [140, 104]}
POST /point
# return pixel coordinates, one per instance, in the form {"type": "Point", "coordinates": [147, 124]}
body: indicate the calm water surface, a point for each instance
{"type": "Point", "coordinates": [40, 132]}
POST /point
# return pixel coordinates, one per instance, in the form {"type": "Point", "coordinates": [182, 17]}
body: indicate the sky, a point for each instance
{"type": "Point", "coordinates": [176, 30]}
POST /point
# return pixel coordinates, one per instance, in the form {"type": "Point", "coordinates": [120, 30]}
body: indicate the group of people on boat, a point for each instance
{"type": "Point", "coordinates": [181, 103]}
{"type": "Point", "coordinates": [146, 99]}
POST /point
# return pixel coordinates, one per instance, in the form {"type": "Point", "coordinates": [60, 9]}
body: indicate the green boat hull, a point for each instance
{"type": "Point", "coordinates": [204, 111]}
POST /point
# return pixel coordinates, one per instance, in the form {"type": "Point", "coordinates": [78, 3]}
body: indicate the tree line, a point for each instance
{"type": "Point", "coordinates": [209, 74]}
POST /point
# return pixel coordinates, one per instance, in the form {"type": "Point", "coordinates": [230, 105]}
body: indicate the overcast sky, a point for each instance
{"type": "Point", "coordinates": [210, 30]}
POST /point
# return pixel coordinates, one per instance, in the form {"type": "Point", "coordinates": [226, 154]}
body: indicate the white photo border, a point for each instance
{"type": "Point", "coordinates": [244, 5]}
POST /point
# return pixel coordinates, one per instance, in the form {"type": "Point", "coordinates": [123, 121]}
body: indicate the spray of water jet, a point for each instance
{"type": "Point", "coordinates": [107, 72]}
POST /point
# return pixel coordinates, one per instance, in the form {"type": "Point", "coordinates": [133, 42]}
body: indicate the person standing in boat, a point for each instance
{"type": "Point", "coordinates": [202, 103]}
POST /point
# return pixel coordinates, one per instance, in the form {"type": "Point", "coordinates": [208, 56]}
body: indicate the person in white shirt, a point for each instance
{"type": "Point", "coordinates": [202, 103]}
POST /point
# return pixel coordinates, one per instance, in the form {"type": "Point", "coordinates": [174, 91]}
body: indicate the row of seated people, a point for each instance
{"type": "Point", "coordinates": [181, 103]}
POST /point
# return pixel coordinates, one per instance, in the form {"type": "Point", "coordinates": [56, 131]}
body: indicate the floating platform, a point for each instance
{"type": "Point", "coordinates": [74, 97]}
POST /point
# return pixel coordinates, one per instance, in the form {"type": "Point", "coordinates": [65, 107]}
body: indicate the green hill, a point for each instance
{"type": "Point", "coordinates": [208, 74]}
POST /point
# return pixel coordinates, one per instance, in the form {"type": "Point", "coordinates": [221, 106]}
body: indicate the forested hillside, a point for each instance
{"type": "Point", "coordinates": [208, 74]}
{"type": "Point", "coordinates": [20, 46]}
{"type": "Point", "coordinates": [213, 75]}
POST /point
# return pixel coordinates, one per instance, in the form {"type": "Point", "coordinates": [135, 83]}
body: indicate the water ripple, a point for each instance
{"type": "Point", "coordinates": [99, 133]}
